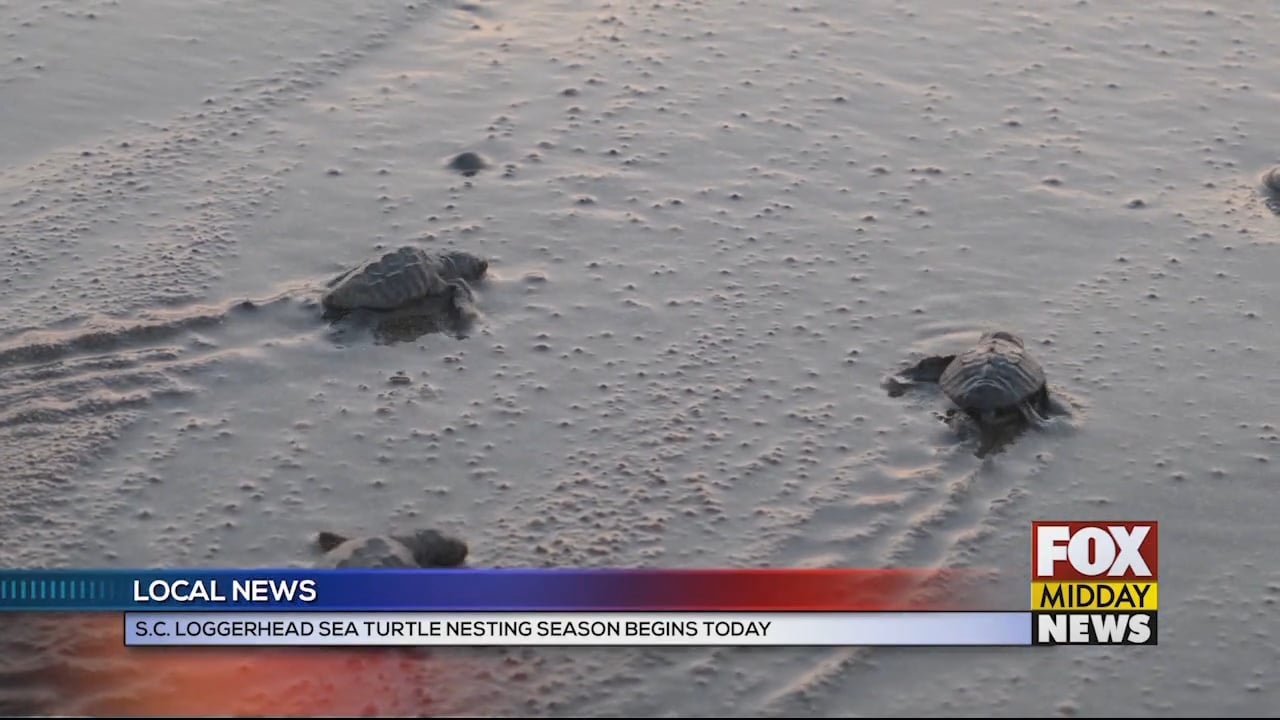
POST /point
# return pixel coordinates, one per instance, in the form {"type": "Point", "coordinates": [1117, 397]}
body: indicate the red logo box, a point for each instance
{"type": "Point", "coordinates": [1095, 551]}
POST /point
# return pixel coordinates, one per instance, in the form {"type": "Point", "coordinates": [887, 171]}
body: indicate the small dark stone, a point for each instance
{"type": "Point", "coordinates": [468, 163]}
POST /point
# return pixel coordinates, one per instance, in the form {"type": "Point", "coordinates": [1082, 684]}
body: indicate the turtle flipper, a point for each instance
{"type": "Point", "coordinates": [1056, 405]}
{"type": "Point", "coordinates": [328, 541]}
{"type": "Point", "coordinates": [461, 296]}
{"type": "Point", "coordinates": [461, 307]}
{"type": "Point", "coordinates": [1032, 415]}
{"type": "Point", "coordinates": [928, 370]}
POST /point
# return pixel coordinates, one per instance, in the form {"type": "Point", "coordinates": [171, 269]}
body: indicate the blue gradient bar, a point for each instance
{"type": "Point", "coordinates": [492, 589]}
{"type": "Point", "coordinates": [243, 629]}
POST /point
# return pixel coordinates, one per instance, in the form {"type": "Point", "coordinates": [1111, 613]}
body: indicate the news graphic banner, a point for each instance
{"type": "Point", "coordinates": [1094, 583]}
{"type": "Point", "coordinates": [463, 606]}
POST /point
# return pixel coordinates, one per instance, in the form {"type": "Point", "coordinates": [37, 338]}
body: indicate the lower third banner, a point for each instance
{"type": "Point", "coordinates": [578, 628]}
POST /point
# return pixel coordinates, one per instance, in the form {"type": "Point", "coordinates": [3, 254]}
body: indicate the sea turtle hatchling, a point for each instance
{"type": "Point", "coordinates": [1271, 189]}
{"type": "Point", "coordinates": [424, 548]}
{"type": "Point", "coordinates": [996, 383]}
{"type": "Point", "coordinates": [402, 276]}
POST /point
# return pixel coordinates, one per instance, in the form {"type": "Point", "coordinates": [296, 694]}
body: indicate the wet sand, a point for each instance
{"type": "Point", "coordinates": [714, 229]}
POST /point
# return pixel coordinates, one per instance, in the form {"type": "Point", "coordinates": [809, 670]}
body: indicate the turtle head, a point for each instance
{"type": "Point", "coordinates": [462, 265]}
{"type": "Point", "coordinates": [329, 540]}
{"type": "Point", "coordinates": [432, 548]}
{"type": "Point", "coordinates": [991, 419]}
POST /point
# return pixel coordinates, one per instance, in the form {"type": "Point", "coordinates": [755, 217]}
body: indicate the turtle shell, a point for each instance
{"type": "Point", "coordinates": [399, 277]}
{"type": "Point", "coordinates": [369, 552]}
{"type": "Point", "coordinates": [995, 374]}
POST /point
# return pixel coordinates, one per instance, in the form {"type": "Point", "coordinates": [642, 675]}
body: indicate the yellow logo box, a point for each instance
{"type": "Point", "coordinates": [1094, 596]}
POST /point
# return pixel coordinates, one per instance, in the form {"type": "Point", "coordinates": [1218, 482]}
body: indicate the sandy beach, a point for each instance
{"type": "Point", "coordinates": [714, 228]}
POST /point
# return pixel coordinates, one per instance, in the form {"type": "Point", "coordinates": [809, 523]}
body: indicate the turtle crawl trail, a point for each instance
{"type": "Point", "coordinates": [66, 393]}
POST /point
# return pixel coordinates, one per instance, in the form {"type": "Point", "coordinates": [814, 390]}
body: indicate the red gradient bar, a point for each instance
{"type": "Point", "coordinates": [62, 664]}
{"type": "Point", "coordinates": [801, 590]}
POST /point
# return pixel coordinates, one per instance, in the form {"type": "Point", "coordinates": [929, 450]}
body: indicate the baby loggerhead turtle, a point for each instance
{"type": "Point", "coordinates": [410, 292]}
{"type": "Point", "coordinates": [1271, 189]}
{"type": "Point", "coordinates": [996, 383]}
{"type": "Point", "coordinates": [424, 548]}
{"type": "Point", "coordinates": [403, 275]}
{"type": "Point", "coordinates": [401, 294]}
